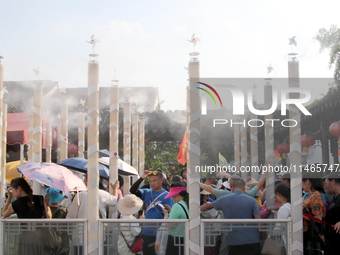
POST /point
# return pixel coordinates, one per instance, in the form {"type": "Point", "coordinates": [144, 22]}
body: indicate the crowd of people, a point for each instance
{"type": "Point", "coordinates": [166, 197]}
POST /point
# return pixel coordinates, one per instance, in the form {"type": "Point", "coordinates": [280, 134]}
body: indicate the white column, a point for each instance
{"type": "Point", "coordinates": [244, 152]}
{"type": "Point", "coordinates": [92, 155]}
{"type": "Point", "coordinates": [114, 141]}
{"type": "Point", "coordinates": [64, 132]}
{"type": "Point", "coordinates": [135, 119]}
{"type": "Point", "coordinates": [295, 160]}
{"type": "Point", "coordinates": [4, 148]}
{"type": "Point", "coordinates": [237, 155]}
{"type": "Point", "coordinates": [48, 142]}
{"type": "Point", "coordinates": [37, 132]}
{"type": "Point", "coordinates": [141, 143]}
{"type": "Point", "coordinates": [2, 184]}
{"type": "Point", "coordinates": [30, 138]}
{"type": "Point", "coordinates": [127, 143]}
{"type": "Point", "coordinates": [269, 144]}
{"type": "Point", "coordinates": [81, 135]}
{"type": "Point", "coordinates": [193, 160]}
{"type": "Point", "coordinates": [254, 144]}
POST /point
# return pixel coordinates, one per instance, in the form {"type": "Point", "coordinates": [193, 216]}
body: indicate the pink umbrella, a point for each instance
{"type": "Point", "coordinates": [52, 175]}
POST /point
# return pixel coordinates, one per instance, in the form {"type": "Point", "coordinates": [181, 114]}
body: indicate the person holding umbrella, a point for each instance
{"type": "Point", "coordinates": [27, 206]}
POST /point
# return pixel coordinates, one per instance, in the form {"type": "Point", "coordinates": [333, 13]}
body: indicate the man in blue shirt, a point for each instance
{"type": "Point", "coordinates": [239, 206]}
{"type": "Point", "coordinates": [152, 197]}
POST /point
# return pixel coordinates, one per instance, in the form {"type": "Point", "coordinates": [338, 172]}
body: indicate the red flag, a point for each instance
{"type": "Point", "coordinates": [182, 154]}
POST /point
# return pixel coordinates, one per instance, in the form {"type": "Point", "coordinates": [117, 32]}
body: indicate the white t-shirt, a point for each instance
{"type": "Point", "coordinates": [283, 213]}
{"type": "Point", "coordinates": [80, 211]}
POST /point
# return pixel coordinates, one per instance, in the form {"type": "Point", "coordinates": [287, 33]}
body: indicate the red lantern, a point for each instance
{"type": "Point", "coordinates": [334, 128]}
{"type": "Point", "coordinates": [283, 148]}
{"type": "Point", "coordinates": [307, 140]}
{"type": "Point", "coordinates": [72, 149]}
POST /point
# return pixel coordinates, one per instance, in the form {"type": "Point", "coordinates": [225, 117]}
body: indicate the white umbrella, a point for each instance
{"type": "Point", "coordinates": [123, 168]}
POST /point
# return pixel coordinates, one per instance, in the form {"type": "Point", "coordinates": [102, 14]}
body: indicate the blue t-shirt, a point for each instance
{"type": "Point", "coordinates": [239, 206]}
{"type": "Point", "coordinates": [150, 211]}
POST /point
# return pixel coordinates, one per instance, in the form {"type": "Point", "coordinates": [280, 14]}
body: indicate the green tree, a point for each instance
{"type": "Point", "coordinates": [162, 155]}
{"type": "Point", "coordinates": [330, 39]}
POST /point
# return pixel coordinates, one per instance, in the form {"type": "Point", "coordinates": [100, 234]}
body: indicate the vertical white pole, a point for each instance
{"type": "Point", "coordinates": [30, 138]}
{"type": "Point", "coordinates": [92, 155]}
{"type": "Point", "coordinates": [37, 132]}
{"type": "Point", "coordinates": [193, 142]}
{"type": "Point", "coordinates": [2, 184]}
{"type": "Point", "coordinates": [269, 144]}
{"type": "Point", "coordinates": [295, 160]}
{"type": "Point", "coordinates": [114, 141]}
{"type": "Point", "coordinates": [64, 132]}
{"type": "Point", "coordinates": [254, 145]}
{"type": "Point", "coordinates": [135, 119]}
{"type": "Point", "coordinates": [81, 136]}
{"type": "Point", "coordinates": [141, 144]}
{"type": "Point", "coordinates": [244, 152]}
{"type": "Point", "coordinates": [237, 155]}
{"type": "Point", "coordinates": [58, 140]}
{"type": "Point", "coordinates": [4, 147]}
{"type": "Point", "coordinates": [127, 142]}
{"type": "Point", "coordinates": [48, 142]}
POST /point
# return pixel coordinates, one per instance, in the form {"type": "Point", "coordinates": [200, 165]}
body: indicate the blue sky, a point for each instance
{"type": "Point", "coordinates": [146, 41]}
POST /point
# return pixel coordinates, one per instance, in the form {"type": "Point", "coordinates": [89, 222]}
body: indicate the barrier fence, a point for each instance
{"type": "Point", "coordinates": [214, 231]}
{"type": "Point", "coordinates": [73, 233]}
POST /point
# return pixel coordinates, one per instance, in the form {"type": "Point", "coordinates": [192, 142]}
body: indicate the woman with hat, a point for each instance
{"type": "Point", "coordinates": [127, 206]}
{"type": "Point", "coordinates": [209, 214]}
{"type": "Point", "coordinates": [179, 210]}
{"type": "Point", "coordinates": [59, 212]}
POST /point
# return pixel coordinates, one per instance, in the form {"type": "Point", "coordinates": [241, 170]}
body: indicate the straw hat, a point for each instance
{"type": "Point", "coordinates": [251, 184]}
{"type": "Point", "coordinates": [130, 204]}
{"type": "Point", "coordinates": [204, 192]}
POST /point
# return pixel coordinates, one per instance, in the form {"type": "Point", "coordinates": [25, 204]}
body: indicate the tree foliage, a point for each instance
{"type": "Point", "coordinates": [162, 155]}
{"type": "Point", "coordinates": [330, 39]}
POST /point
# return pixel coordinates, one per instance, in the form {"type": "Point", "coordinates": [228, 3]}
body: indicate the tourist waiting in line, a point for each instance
{"type": "Point", "coordinates": [286, 179]}
{"type": "Point", "coordinates": [249, 186]}
{"type": "Point", "coordinates": [265, 211]}
{"type": "Point", "coordinates": [332, 184]}
{"type": "Point", "coordinates": [184, 175]}
{"type": "Point", "coordinates": [210, 181]}
{"type": "Point", "coordinates": [79, 210]}
{"type": "Point", "coordinates": [27, 206]}
{"type": "Point", "coordinates": [282, 195]}
{"type": "Point", "coordinates": [240, 240]}
{"type": "Point", "coordinates": [314, 205]}
{"type": "Point", "coordinates": [127, 206]}
{"type": "Point", "coordinates": [151, 196]}
{"type": "Point", "coordinates": [176, 178]}
{"type": "Point", "coordinates": [59, 212]}
{"type": "Point", "coordinates": [220, 193]}
{"type": "Point", "coordinates": [180, 210]}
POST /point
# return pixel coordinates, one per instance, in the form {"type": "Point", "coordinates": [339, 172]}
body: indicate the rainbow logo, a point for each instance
{"type": "Point", "coordinates": [209, 93]}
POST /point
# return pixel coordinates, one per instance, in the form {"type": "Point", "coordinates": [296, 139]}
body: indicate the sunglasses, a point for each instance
{"type": "Point", "coordinates": [153, 173]}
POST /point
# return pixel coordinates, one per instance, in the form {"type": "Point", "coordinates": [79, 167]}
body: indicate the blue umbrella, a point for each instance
{"type": "Point", "coordinates": [80, 164]}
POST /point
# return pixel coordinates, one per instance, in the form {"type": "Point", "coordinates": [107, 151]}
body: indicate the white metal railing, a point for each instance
{"type": "Point", "coordinates": [211, 228]}
{"type": "Point", "coordinates": [110, 229]}
{"type": "Point", "coordinates": [13, 229]}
